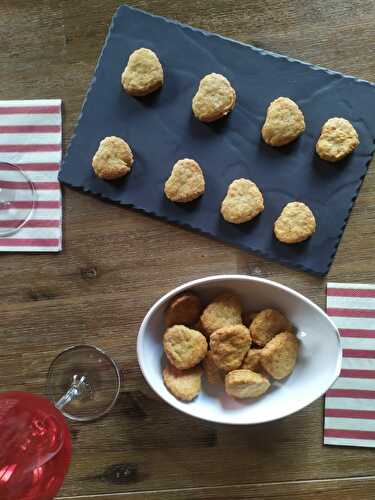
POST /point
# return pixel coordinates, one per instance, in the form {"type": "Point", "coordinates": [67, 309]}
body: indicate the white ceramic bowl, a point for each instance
{"type": "Point", "coordinates": [318, 366]}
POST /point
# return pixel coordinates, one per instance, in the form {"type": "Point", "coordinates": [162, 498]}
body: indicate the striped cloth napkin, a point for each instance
{"type": "Point", "coordinates": [30, 137]}
{"type": "Point", "coordinates": [349, 418]}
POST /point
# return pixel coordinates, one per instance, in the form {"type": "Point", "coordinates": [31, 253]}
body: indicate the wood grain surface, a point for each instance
{"type": "Point", "coordinates": [348, 489]}
{"type": "Point", "coordinates": [116, 263]}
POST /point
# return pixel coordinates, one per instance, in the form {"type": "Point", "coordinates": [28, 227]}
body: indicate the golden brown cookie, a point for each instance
{"type": "Point", "coordinates": [279, 356]}
{"type": "Point", "coordinates": [143, 74]}
{"type": "Point", "coordinates": [242, 202]}
{"type": "Point", "coordinates": [266, 325]}
{"type": "Point", "coordinates": [113, 158]}
{"type": "Point", "coordinates": [296, 223]}
{"type": "Point", "coordinates": [212, 372]}
{"type": "Point", "coordinates": [245, 384]}
{"type": "Point", "coordinates": [248, 317]}
{"type": "Point", "coordinates": [214, 99]}
{"type": "Point", "coordinates": [224, 310]}
{"type": "Point", "coordinates": [338, 138]}
{"type": "Point", "coordinates": [284, 122]}
{"type": "Point", "coordinates": [184, 347]}
{"type": "Point", "coordinates": [185, 309]}
{"type": "Point", "coordinates": [183, 384]}
{"type": "Point", "coordinates": [186, 182]}
{"type": "Point", "coordinates": [229, 346]}
{"type": "Point", "coordinates": [252, 361]}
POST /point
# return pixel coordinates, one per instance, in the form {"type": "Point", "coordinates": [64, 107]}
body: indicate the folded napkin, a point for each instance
{"type": "Point", "coordinates": [30, 137]}
{"type": "Point", "coordinates": [349, 417]}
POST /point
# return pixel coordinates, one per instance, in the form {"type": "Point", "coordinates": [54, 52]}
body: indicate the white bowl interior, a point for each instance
{"type": "Point", "coordinates": [318, 365]}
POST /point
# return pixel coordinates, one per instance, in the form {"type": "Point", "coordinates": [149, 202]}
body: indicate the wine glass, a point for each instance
{"type": "Point", "coordinates": [35, 444]}
{"type": "Point", "coordinates": [35, 447]}
{"type": "Point", "coordinates": [83, 382]}
{"type": "Point", "coordinates": [18, 198]}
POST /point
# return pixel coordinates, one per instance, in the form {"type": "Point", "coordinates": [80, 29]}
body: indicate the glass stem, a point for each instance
{"type": "Point", "coordinates": [78, 387]}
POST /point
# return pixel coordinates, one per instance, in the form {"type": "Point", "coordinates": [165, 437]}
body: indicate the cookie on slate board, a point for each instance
{"type": "Point", "coordinates": [243, 202]}
{"type": "Point", "coordinates": [186, 182]}
{"type": "Point", "coordinates": [284, 122]}
{"type": "Point", "coordinates": [338, 138]}
{"type": "Point", "coordinates": [113, 159]}
{"type": "Point", "coordinates": [214, 99]}
{"type": "Point", "coordinates": [143, 73]}
{"type": "Point", "coordinates": [296, 223]}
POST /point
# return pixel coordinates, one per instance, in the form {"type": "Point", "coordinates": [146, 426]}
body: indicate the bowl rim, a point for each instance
{"type": "Point", "coordinates": [227, 277]}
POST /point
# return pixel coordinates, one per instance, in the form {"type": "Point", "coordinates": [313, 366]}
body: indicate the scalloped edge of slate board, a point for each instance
{"type": "Point", "coordinates": [263, 52]}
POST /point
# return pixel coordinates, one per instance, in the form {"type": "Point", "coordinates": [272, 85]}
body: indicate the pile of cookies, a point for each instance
{"type": "Point", "coordinates": [214, 99]}
{"type": "Point", "coordinates": [245, 351]}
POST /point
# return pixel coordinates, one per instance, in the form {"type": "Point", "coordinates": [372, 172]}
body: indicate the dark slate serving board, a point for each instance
{"type": "Point", "coordinates": [161, 129]}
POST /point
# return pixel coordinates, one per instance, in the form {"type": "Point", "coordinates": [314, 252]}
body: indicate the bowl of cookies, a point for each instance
{"type": "Point", "coordinates": [238, 349]}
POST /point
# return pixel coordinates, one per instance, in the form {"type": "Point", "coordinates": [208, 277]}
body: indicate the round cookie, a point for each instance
{"type": "Point", "coordinates": [284, 122]}
{"type": "Point", "coordinates": [279, 356]}
{"type": "Point", "coordinates": [186, 182]}
{"type": "Point", "coordinates": [229, 346]}
{"type": "Point", "coordinates": [211, 371]}
{"type": "Point", "coordinates": [185, 309]}
{"type": "Point", "coordinates": [183, 384]}
{"type": "Point", "coordinates": [267, 324]}
{"type": "Point", "coordinates": [224, 310]}
{"type": "Point", "coordinates": [242, 202]}
{"type": "Point", "coordinates": [113, 159]}
{"type": "Point", "coordinates": [245, 384]}
{"type": "Point", "coordinates": [295, 223]}
{"type": "Point", "coordinates": [143, 74]}
{"type": "Point", "coordinates": [184, 347]}
{"type": "Point", "coordinates": [214, 99]}
{"type": "Point", "coordinates": [338, 138]}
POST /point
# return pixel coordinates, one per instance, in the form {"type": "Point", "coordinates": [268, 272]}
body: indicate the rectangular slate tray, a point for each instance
{"type": "Point", "coordinates": [161, 129]}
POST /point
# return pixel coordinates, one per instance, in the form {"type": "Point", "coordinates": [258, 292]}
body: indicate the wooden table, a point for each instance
{"type": "Point", "coordinates": [116, 263]}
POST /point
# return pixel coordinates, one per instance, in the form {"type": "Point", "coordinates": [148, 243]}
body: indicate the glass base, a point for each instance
{"type": "Point", "coordinates": [84, 382]}
{"type": "Point", "coordinates": [17, 199]}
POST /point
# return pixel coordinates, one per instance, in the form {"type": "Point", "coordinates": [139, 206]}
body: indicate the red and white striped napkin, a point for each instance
{"type": "Point", "coordinates": [349, 418]}
{"type": "Point", "coordinates": [30, 137]}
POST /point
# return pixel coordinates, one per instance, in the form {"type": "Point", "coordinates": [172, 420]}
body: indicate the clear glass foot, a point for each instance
{"type": "Point", "coordinates": [83, 382]}
{"type": "Point", "coordinates": [18, 198]}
